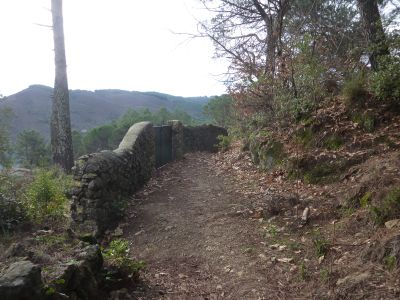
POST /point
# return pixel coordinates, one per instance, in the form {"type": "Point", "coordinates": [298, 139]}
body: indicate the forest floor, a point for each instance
{"type": "Point", "coordinates": [205, 230]}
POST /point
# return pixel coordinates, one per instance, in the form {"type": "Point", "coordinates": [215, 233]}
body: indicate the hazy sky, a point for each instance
{"type": "Point", "coordinates": [119, 44]}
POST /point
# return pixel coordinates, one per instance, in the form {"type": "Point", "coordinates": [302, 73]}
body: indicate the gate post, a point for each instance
{"type": "Point", "coordinates": [177, 139]}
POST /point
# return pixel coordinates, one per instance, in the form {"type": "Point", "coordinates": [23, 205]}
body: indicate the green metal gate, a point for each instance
{"type": "Point", "coordinates": [163, 144]}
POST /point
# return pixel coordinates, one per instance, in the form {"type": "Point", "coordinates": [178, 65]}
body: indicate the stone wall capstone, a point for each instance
{"type": "Point", "coordinates": [104, 180]}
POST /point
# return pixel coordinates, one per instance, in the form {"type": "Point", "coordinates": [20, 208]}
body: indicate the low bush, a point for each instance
{"type": "Point", "coordinates": [333, 142]}
{"type": "Point", "coordinates": [354, 89]}
{"type": "Point", "coordinates": [117, 256]}
{"type": "Point", "coordinates": [224, 142]}
{"type": "Point", "coordinates": [365, 200]}
{"type": "Point", "coordinates": [305, 136]}
{"type": "Point", "coordinates": [321, 244]}
{"type": "Point", "coordinates": [386, 81]}
{"type": "Point", "coordinates": [365, 121]}
{"type": "Point", "coordinates": [45, 198]}
{"type": "Point", "coordinates": [11, 209]}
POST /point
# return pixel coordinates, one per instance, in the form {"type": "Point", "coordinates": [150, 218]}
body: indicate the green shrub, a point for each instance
{"type": "Point", "coordinates": [324, 274]}
{"type": "Point", "coordinates": [346, 211]}
{"type": "Point", "coordinates": [390, 262]}
{"type": "Point", "coordinates": [45, 197]}
{"type": "Point", "coordinates": [354, 89]}
{"type": "Point", "coordinates": [303, 272]}
{"type": "Point", "coordinates": [117, 255]}
{"type": "Point", "coordinates": [321, 245]}
{"type": "Point", "coordinates": [366, 199]}
{"type": "Point", "coordinates": [389, 208]}
{"type": "Point", "coordinates": [11, 209]}
{"type": "Point", "coordinates": [333, 142]}
{"type": "Point", "coordinates": [305, 136]}
{"type": "Point", "coordinates": [224, 142]}
{"type": "Point", "coordinates": [366, 121]}
{"type": "Point", "coordinates": [271, 231]}
{"type": "Point", "coordinates": [386, 81]}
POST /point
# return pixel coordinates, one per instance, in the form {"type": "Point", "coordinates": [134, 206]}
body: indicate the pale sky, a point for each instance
{"type": "Point", "coordinates": [110, 44]}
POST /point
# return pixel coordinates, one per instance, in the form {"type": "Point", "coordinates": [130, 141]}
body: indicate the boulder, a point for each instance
{"type": "Point", "coordinates": [81, 278]}
{"type": "Point", "coordinates": [18, 250]}
{"type": "Point", "coordinates": [21, 281]}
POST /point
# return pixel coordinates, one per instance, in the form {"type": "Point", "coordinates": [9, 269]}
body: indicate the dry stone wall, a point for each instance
{"type": "Point", "coordinates": [202, 138]}
{"type": "Point", "coordinates": [105, 180]}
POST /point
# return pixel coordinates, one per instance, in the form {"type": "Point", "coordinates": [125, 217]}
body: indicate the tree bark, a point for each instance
{"type": "Point", "coordinates": [61, 140]}
{"type": "Point", "coordinates": [373, 31]}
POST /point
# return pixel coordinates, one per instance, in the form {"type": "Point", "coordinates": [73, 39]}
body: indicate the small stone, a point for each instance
{"type": "Point", "coordinates": [43, 232]}
{"type": "Point", "coordinates": [321, 259]}
{"type": "Point", "coordinates": [274, 246]}
{"type": "Point", "coordinates": [305, 215]}
{"type": "Point", "coordinates": [262, 256]}
{"type": "Point", "coordinates": [354, 279]}
{"type": "Point", "coordinates": [219, 287]}
{"type": "Point", "coordinates": [139, 232]}
{"type": "Point", "coordinates": [393, 224]}
{"type": "Point", "coordinates": [282, 247]}
{"type": "Point", "coordinates": [285, 259]}
{"type": "Point", "coordinates": [227, 269]}
{"type": "Point", "coordinates": [118, 232]}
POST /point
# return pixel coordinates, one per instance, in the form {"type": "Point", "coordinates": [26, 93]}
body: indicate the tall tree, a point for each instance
{"type": "Point", "coordinates": [373, 30]}
{"type": "Point", "coordinates": [249, 33]}
{"type": "Point", "coordinates": [61, 140]}
{"type": "Point", "coordinates": [220, 110]}
{"type": "Point", "coordinates": [31, 149]}
{"type": "Point", "coordinates": [5, 145]}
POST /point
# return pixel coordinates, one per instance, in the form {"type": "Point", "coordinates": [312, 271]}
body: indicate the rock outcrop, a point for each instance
{"type": "Point", "coordinates": [21, 281]}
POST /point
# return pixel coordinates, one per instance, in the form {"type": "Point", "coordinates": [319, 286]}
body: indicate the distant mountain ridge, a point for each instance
{"type": "Point", "coordinates": [32, 107]}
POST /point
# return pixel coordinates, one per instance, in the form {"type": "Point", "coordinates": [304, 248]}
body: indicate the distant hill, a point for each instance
{"type": "Point", "coordinates": [32, 107]}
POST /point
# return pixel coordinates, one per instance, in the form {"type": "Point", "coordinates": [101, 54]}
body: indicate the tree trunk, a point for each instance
{"type": "Point", "coordinates": [373, 30]}
{"type": "Point", "coordinates": [61, 140]}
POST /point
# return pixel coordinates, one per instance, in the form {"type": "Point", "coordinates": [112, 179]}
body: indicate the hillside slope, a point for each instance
{"type": "Point", "coordinates": [32, 106]}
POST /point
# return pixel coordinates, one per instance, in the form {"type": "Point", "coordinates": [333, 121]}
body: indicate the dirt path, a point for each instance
{"type": "Point", "coordinates": [196, 245]}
